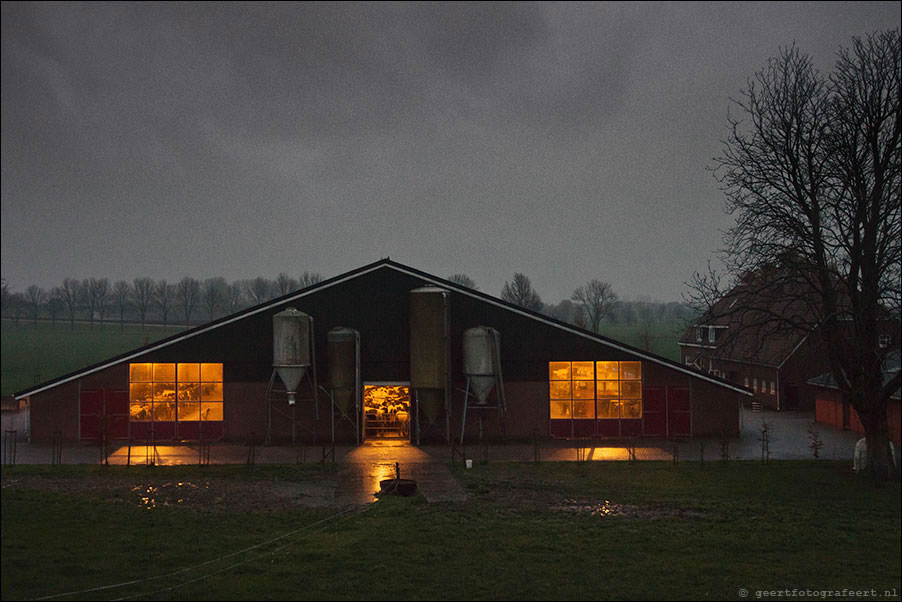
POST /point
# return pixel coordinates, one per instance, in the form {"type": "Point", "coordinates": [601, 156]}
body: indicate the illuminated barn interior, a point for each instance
{"type": "Point", "coordinates": [384, 351]}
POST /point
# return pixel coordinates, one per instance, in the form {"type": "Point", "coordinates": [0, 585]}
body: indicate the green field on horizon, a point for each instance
{"type": "Point", "coordinates": [32, 354]}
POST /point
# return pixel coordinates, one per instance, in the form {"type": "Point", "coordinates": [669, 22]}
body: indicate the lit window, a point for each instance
{"type": "Point", "coordinates": [589, 390]}
{"type": "Point", "coordinates": [755, 384]}
{"type": "Point", "coordinates": [773, 387]}
{"type": "Point", "coordinates": [746, 382]}
{"type": "Point", "coordinates": [571, 389]}
{"type": "Point", "coordinates": [175, 392]}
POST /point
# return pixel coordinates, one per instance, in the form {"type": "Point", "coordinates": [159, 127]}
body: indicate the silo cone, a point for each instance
{"type": "Point", "coordinates": [342, 356]}
{"type": "Point", "coordinates": [291, 348]}
{"type": "Point", "coordinates": [432, 402]}
{"type": "Point", "coordinates": [480, 360]}
{"type": "Point", "coordinates": [344, 400]}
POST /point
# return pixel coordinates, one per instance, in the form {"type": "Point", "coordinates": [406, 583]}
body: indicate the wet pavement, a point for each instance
{"type": "Point", "coordinates": [789, 435]}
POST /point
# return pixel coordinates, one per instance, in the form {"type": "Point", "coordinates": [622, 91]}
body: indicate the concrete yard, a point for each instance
{"type": "Point", "coordinates": [361, 468]}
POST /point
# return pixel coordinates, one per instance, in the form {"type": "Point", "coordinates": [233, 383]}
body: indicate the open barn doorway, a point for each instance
{"type": "Point", "coordinates": [386, 411]}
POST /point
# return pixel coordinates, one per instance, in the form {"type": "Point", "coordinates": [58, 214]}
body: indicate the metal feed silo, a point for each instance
{"type": "Point", "coordinates": [429, 352]}
{"type": "Point", "coordinates": [342, 350]}
{"type": "Point", "coordinates": [482, 368]}
{"type": "Point", "coordinates": [293, 360]}
{"type": "Point", "coordinates": [291, 348]}
{"type": "Point", "coordinates": [481, 358]}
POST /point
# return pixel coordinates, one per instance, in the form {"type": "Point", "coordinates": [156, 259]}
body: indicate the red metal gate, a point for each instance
{"type": "Point", "coordinates": [654, 412]}
{"type": "Point", "coordinates": [679, 421]}
{"type": "Point", "coordinates": [102, 411]}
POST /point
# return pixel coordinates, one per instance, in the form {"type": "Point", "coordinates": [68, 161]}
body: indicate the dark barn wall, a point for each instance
{"type": "Point", "coordinates": [715, 412]}
{"type": "Point", "coordinates": [57, 409]}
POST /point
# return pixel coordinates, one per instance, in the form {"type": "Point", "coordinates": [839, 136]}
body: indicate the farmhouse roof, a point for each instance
{"type": "Point", "coordinates": [891, 366]}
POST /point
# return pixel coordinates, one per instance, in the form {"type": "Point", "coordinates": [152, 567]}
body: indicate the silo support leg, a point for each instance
{"type": "Point", "coordinates": [463, 422]}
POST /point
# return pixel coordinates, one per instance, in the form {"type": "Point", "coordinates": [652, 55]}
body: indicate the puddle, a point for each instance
{"type": "Point", "coordinates": [608, 509]}
{"type": "Point", "coordinates": [152, 496]}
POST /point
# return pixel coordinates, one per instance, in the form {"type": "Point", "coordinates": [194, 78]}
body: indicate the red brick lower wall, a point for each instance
{"type": "Point", "coordinates": [57, 409]}
{"type": "Point", "coordinates": [714, 410]}
{"type": "Point", "coordinates": [829, 410]}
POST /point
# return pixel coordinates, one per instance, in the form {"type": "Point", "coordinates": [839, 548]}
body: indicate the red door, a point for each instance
{"type": "Point", "coordinates": [679, 422]}
{"type": "Point", "coordinates": [654, 413]}
{"type": "Point", "coordinates": [102, 410]}
{"type": "Point", "coordinates": [90, 415]}
{"type": "Point", "coordinates": [117, 414]}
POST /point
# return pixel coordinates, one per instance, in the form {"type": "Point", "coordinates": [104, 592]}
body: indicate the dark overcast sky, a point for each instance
{"type": "Point", "coordinates": [565, 141]}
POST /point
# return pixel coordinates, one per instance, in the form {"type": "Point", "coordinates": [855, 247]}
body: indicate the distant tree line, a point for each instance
{"type": "Point", "coordinates": [145, 300]}
{"type": "Point", "coordinates": [189, 301]}
{"type": "Point", "coordinates": [595, 306]}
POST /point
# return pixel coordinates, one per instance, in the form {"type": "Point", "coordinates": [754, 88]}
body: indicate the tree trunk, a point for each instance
{"type": "Point", "coordinates": [876, 432]}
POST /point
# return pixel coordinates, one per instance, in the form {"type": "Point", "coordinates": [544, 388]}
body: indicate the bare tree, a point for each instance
{"type": "Point", "coordinates": [34, 300]}
{"type": "Point", "coordinates": [121, 292]}
{"type": "Point", "coordinates": [285, 284]}
{"type": "Point", "coordinates": [142, 292]}
{"type": "Point", "coordinates": [309, 279]}
{"type": "Point", "coordinates": [6, 295]}
{"type": "Point", "coordinates": [55, 304]}
{"type": "Point", "coordinates": [519, 291]}
{"type": "Point", "coordinates": [163, 297]}
{"type": "Point", "coordinates": [100, 292]}
{"type": "Point", "coordinates": [258, 290]}
{"type": "Point", "coordinates": [463, 280]}
{"type": "Point", "coordinates": [17, 303]}
{"type": "Point", "coordinates": [597, 299]}
{"type": "Point", "coordinates": [89, 290]}
{"type": "Point", "coordinates": [71, 294]}
{"type": "Point", "coordinates": [188, 295]}
{"type": "Point", "coordinates": [567, 311]}
{"type": "Point", "coordinates": [811, 171]}
{"type": "Point", "coordinates": [213, 294]}
{"type": "Point", "coordinates": [235, 296]}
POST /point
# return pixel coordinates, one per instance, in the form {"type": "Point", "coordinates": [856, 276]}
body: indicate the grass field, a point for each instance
{"type": "Point", "coordinates": [659, 338]}
{"type": "Point", "coordinates": [528, 532]}
{"type": "Point", "coordinates": [34, 354]}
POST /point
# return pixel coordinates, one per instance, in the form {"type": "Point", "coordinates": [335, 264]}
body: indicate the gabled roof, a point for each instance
{"type": "Point", "coordinates": [891, 367]}
{"type": "Point", "coordinates": [383, 264]}
{"type": "Point", "coordinates": [762, 321]}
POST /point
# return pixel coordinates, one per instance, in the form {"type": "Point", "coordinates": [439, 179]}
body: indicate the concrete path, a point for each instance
{"type": "Point", "coordinates": [362, 468]}
{"type": "Point", "coordinates": [369, 464]}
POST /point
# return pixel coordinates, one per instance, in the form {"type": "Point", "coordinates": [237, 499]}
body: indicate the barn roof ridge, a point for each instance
{"type": "Point", "coordinates": [355, 273]}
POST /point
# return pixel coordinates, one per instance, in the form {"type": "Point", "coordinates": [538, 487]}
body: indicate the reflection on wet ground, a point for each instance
{"type": "Point", "coordinates": [608, 509]}
{"type": "Point", "coordinates": [372, 462]}
{"type": "Point", "coordinates": [168, 493]}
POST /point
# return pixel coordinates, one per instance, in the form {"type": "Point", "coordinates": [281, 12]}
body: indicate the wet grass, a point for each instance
{"type": "Point", "coordinates": [32, 354]}
{"type": "Point", "coordinates": [284, 472]}
{"type": "Point", "coordinates": [786, 525]}
{"type": "Point", "coordinates": [659, 338]}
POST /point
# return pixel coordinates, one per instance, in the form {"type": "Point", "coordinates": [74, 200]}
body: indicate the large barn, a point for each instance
{"type": "Point", "coordinates": [386, 359]}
